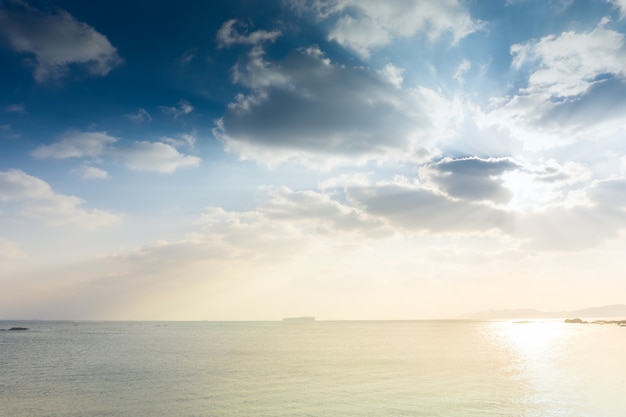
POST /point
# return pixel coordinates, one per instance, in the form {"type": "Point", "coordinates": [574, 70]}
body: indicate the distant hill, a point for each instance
{"type": "Point", "coordinates": [615, 310]}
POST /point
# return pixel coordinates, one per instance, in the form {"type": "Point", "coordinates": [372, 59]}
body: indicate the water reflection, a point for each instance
{"type": "Point", "coordinates": [534, 340]}
{"type": "Point", "coordinates": [433, 368]}
{"type": "Point", "coordinates": [534, 352]}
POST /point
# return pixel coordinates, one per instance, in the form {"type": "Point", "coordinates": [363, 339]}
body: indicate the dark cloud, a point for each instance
{"type": "Point", "coordinates": [307, 104]}
{"type": "Point", "coordinates": [229, 35]}
{"type": "Point", "coordinates": [473, 178]}
{"type": "Point", "coordinates": [56, 41]}
{"type": "Point", "coordinates": [414, 208]}
{"type": "Point", "coordinates": [556, 228]}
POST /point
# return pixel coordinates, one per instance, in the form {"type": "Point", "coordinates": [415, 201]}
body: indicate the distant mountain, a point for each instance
{"type": "Point", "coordinates": [615, 310]}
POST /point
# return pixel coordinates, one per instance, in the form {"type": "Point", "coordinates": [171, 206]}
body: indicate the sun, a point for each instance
{"type": "Point", "coordinates": [528, 193]}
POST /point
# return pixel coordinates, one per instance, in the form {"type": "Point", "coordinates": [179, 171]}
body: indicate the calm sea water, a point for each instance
{"type": "Point", "coordinates": [404, 368]}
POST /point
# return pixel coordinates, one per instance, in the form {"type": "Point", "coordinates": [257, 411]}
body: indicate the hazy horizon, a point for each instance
{"type": "Point", "coordinates": [343, 159]}
{"type": "Point", "coordinates": [613, 311]}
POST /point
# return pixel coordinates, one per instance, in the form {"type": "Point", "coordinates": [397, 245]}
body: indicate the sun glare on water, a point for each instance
{"type": "Point", "coordinates": [534, 338]}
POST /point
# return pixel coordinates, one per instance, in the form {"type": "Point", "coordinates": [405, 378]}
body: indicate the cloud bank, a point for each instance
{"type": "Point", "coordinates": [35, 198]}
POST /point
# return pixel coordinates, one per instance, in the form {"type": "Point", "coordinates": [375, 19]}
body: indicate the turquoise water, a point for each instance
{"type": "Point", "coordinates": [404, 368]}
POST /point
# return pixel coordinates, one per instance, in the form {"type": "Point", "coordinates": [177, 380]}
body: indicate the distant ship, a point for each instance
{"type": "Point", "coordinates": [303, 318]}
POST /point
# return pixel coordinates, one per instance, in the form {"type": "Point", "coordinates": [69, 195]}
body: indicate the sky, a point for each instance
{"type": "Point", "coordinates": [345, 159]}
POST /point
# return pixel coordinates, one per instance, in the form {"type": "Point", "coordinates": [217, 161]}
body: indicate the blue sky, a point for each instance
{"type": "Point", "coordinates": [338, 158]}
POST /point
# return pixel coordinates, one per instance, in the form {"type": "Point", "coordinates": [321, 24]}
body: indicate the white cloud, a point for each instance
{"type": "Point", "coordinates": [235, 262]}
{"type": "Point", "coordinates": [37, 199]}
{"type": "Point", "coordinates": [88, 172]}
{"type": "Point", "coordinates": [292, 221]}
{"type": "Point", "coordinates": [140, 116]}
{"type": "Point", "coordinates": [556, 5]}
{"type": "Point", "coordinates": [540, 124]}
{"type": "Point", "coordinates": [10, 250]}
{"type": "Point", "coordinates": [359, 34]}
{"type": "Point", "coordinates": [393, 74]}
{"type": "Point", "coordinates": [15, 108]}
{"type": "Point", "coordinates": [316, 212]}
{"type": "Point", "coordinates": [463, 67]}
{"type": "Point", "coordinates": [185, 139]}
{"type": "Point", "coordinates": [188, 56]}
{"type": "Point", "coordinates": [363, 25]}
{"type": "Point", "coordinates": [6, 131]}
{"type": "Point", "coordinates": [574, 90]}
{"type": "Point", "coordinates": [228, 35]}
{"type": "Point", "coordinates": [156, 157]}
{"type": "Point", "coordinates": [621, 5]}
{"type": "Point", "coordinates": [563, 5]}
{"type": "Point", "coordinates": [183, 108]}
{"type": "Point", "coordinates": [571, 63]}
{"type": "Point", "coordinates": [58, 41]}
{"type": "Point", "coordinates": [288, 221]}
{"type": "Point", "coordinates": [346, 180]}
{"type": "Point", "coordinates": [406, 218]}
{"type": "Point", "coordinates": [140, 156]}
{"type": "Point", "coordinates": [76, 145]}
{"type": "Point", "coordinates": [16, 185]}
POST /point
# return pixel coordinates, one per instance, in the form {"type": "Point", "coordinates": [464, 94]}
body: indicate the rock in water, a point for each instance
{"type": "Point", "coordinates": [574, 321]}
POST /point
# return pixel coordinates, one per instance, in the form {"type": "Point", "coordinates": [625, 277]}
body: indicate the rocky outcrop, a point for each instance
{"type": "Point", "coordinates": [618, 322]}
{"type": "Point", "coordinates": [621, 323]}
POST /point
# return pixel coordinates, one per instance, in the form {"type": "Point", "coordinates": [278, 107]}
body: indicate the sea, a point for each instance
{"type": "Point", "coordinates": [314, 369]}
